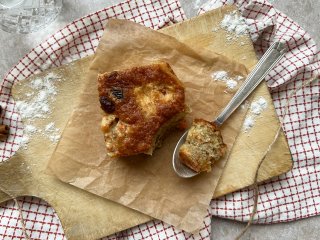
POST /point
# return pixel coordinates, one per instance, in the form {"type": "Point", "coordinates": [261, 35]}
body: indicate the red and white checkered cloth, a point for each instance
{"type": "Point", "coordinates": [294, 195]}
{"type": "Point", "coordinates": [289, 197]}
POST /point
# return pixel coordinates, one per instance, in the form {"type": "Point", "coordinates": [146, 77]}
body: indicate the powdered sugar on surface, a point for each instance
{"type": "Point", "coordinates": [37, 105]}
{"type": "Point", "coordinates": [249, 122]}
{"type": "Point", "coordinates": [216, 4]}
{"type": "Point", "coordinates": [258, 106]}
{"type": "Point", "coordinates": [220, 75]}
{"type": "Point", "coordinates": [234, 23]}
{"type": "Point", "coordinates": [235, 26]}
{"type": "Point", "coordinates": [231, 82]}
{"type": "Point", "coordinates": [256, 109]}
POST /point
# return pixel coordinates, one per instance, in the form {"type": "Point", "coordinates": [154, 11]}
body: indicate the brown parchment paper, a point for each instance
{"type": "Point", "coordinates": [145, 183]}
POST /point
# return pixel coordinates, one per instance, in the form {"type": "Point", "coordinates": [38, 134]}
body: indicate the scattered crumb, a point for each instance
{"type": "Point", "coordinates": [256, 108]}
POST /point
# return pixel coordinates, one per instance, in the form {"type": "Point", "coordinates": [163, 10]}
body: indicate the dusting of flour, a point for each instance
{"type": "Point", "coordinates": [256, 108]}
{"type": "Point", "coordinates": [231, 83]}
{"type": "Point", "coordinates": [235, 25]}
{"type": "Point", "coordinates": [41, 95]}
{"type": "Point", "coordinates": [210, 5]}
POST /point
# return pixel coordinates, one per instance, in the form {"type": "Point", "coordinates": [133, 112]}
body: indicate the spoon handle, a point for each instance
{"type": "Point", "coordinates": [271, 57]}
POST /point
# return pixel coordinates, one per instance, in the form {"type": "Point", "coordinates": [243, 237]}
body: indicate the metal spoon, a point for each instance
{"type": "Point", "coordinates": [271, 57]}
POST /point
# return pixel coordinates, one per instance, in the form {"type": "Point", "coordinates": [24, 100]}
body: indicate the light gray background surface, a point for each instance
{"type": "Point", "coordinates": [305, 12]}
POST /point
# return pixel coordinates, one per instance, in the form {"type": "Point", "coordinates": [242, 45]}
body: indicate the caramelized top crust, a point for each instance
{"type": "Point", "coordinates": [141, 99]}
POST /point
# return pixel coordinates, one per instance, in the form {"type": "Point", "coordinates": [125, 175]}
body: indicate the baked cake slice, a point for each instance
{"type": "Point", "coordinates": [140, 104]}
{"type": "Point", "coordinates": [203, 147]}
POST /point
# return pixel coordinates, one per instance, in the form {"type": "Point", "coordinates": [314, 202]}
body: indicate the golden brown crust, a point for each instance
{"type": "Point", "coordinates": [141, 100]}
{"type": "Point", "coordinates": [191, 163]}
{"type": "Point", "coordinates": [204, 146]}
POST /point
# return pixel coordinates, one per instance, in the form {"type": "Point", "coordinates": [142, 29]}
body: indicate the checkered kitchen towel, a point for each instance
{"type": "Point", "coordinates": [289, 197]}
{"type": "Point", "coordinates": [294, 195]}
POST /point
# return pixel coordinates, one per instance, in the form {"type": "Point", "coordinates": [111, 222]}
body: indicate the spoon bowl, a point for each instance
{"type": "Point", "coordinates": [271, 57]}
{"type": "Point", "coordinates": [181, 169]}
